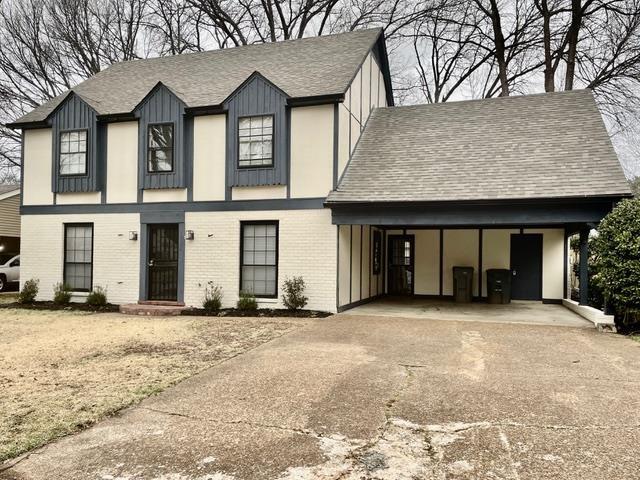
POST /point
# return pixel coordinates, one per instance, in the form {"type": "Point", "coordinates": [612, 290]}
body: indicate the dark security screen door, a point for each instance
{"type": "Point", "coordinates": [400, 265]}
{"type": "Point", "coordinates": [526, 266]}
{"type": "Point", "coordinates": [162, 262]}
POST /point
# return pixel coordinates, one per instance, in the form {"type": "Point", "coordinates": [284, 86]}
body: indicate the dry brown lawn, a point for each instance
{"type": "Point", "coordinates": [62, 371]}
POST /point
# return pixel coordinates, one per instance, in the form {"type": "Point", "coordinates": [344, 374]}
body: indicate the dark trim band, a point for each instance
{"type": "Point", "coordinates": [214, 206]}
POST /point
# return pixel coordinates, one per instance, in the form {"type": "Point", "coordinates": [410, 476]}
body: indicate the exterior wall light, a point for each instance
{"type": "Point", "coordinates": [133, 235]}
{"type": "Point", "coordinates": [189, 235]}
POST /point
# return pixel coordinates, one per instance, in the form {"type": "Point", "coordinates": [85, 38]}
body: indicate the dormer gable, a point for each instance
{"type": "Point", "coordinates": [77, 145]}
{"type": "Point", "coordinates": [162, 113]}
{"type": "Point", "coordinates": [257, 97]}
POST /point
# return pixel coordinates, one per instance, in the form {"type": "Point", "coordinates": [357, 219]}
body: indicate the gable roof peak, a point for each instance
{"type": "Point", "coordinates": [303, 68]}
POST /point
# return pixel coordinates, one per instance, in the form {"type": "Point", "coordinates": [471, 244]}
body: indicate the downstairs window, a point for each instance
{"type": "Point", "coordinates": [78, 256]}
{"type": "Point", "coordinates": [259, 258]}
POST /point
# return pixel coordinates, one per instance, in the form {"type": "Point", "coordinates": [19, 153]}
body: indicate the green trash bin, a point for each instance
{"type": "Point", "coordinates": [498, 285]}
{"type": "Point", "coordinates": [463, 284]}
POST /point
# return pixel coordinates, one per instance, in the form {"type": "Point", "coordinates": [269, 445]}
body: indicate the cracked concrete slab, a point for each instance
{"type": "Point", "coordinates": [379, 398]}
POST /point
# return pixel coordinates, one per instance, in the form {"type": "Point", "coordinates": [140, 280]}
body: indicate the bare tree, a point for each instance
{"type": "Point", "coordinates": [441, 49]}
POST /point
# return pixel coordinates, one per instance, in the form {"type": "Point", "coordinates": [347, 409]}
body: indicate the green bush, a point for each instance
{"type": "Point", "coordinates": [293, 296]}
{"type": "Point", "coordinates": [97, 297]}
{"type": "Point", "coordinates": [247, 301]}
{"type": "Point", "coordinates": [212, 297]}
{"type": "Point", "coordinates": [617, 258]}
{"type": "Point", "coordinates": [61, 293]}
{"type": "Point", "coordinates": [29, 291]}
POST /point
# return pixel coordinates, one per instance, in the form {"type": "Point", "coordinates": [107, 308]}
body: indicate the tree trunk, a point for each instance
{"type": "Point", "coordinates": [498, 39]}
{"type": "Point", "coordinates": [549, 72]}
{"type": "Point", "coordinates": [573, 34]}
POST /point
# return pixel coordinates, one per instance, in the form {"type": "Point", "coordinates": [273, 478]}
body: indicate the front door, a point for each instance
{"type": "Point", "coordinates": [526, 266]}
{"type": "Point", "coordinates": [162, 262]}
{"type": "Point", "coordinates": [401, 256]}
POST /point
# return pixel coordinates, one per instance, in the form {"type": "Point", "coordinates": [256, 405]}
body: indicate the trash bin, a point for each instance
{"type": "Point", "coordinates": [498, 285]}
{"type": "Point", "coordinates": [463, 284]}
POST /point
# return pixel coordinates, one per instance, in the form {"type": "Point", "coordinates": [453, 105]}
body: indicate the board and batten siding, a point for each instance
{"type": "Point", "coordinates": [75, 114]}
{"type": "Point", "coordinates": [356, 281]}
{"type": "Point", "coordinates": [10, 216]}
{"type": "Point", "coordinates": [257, 96]}
{"type": "Point", "coordinates": [366, 92]}
{"type": "Point", "coordinates": [162, 106]}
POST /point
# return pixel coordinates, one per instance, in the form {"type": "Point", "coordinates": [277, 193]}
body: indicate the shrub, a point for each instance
{"type": "Point", "coordinates": [293, 297]}
{"type": "Point", "coordinates": [97, 297]}
{"type": "Point", "coordinates": [29, 291]}
{"type": "Point", "coordinates": [617, 258]}
{"type": "Point", "coordinates": [61, 293]}
{"type": "Point", "coordinates": [247, 301]}
{"type": "Point", "coordinates": [212, 297]}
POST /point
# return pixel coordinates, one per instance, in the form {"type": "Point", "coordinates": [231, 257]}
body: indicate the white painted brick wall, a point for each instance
{"type": "Point", "coordinates": [116, 258]}
{"type": "Point", "coordinates": [307, 248]}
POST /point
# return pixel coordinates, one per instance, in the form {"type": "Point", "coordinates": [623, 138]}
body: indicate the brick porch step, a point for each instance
{"type": "Point", "coordinates": [152, 309]}
{"type": "Point", "coordinates": [167, 303]}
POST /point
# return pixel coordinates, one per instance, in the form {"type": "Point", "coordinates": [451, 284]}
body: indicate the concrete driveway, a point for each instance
{"type": "Point", "coordinates": [522, 312]}
{"type": "Point", "coordinates": [355, 397]}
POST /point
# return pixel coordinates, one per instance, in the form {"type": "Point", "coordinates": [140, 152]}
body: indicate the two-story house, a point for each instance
{"type": "Point", "coordinates": [248, 165]}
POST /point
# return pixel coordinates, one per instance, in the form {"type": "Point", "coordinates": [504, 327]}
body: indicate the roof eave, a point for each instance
{"type": "Point", "coordinates": [488, 201]}
{"type": "Point", "coordinates": [316, 100]}
{"type": "Point", "coordinates": [27, 125]}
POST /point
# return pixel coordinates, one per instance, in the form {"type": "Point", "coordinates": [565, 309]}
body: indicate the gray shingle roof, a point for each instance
{"type": "Point", "coordinates": [535, 146]}
{"type": "Point", "coordinates": [8, 188]}
{"type": "Point", "coordinates": [301, 68]}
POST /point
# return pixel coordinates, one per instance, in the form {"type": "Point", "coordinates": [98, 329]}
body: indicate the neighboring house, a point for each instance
{"type": "Point", "coordinates": [249, 165]}
{"type": "Point", "coordinates": [9, 222]}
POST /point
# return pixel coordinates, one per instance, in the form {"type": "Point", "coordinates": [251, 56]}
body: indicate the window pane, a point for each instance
{"type": "Point", "coordinates": [78, 257]}
{"type": "Point", "coordinates": [160, 148]}
{"type": "Point", "coordinates": [160, 136]}
{"type": "Point", "coordinates": [255, 146]}
{"type": "Point", "coordinates": [72, 163]}
{"type": "Point", "coordinates": [259, 259]}
{"type": "Point", "coordinates": [160, 160]}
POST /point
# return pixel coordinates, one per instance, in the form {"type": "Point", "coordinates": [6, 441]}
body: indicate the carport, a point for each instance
{"type": "Point", "coordinates": [492, 184]}
{"type": "Point", "coordinates": [516, 312]}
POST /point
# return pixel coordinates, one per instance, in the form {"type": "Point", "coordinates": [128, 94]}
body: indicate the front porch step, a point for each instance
{"type": "Point", "coordinates": [167, 303]}
{"type": "Point", "coordinates": [152, 310]}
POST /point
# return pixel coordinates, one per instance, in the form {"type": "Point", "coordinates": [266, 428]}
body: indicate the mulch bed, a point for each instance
{"type": "Point", "coordinates": [199, 312]}
{"type": "Point", "coordinates": [261, 312]}
{"type": "Point", "coordinates": [84, 307]}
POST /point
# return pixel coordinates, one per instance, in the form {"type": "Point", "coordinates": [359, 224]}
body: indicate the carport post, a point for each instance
{"type": "Point", "coordinates": [584, 267]}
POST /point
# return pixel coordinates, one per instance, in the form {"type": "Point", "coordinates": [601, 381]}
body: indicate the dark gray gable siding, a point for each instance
{"type": "Point", "coordinates": [257, 97]}
{"type": "Point", "coordinates": [162, 106]}
{"type": "Point", "coordinates": [75, 114]}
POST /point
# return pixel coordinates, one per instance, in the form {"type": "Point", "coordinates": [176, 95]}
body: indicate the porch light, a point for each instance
{"type": "Point", "coordinates": [188, 235]}
{"type": "Point", "coordinates": [133, 235]}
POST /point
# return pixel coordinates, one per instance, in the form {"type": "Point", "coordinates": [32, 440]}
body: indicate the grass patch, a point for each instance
{"type": "Point", "coordinates": [62, 371]}
{"type": "Point", "coordinates": [636, 338]}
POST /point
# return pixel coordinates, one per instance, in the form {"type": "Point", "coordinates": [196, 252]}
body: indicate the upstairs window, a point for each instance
{"type": "Point", "coordinates": [160, 148]}
{"type": "Point", "coordinates": [73, 152]}
{"type": "Point", "coordinates": [255, 141]}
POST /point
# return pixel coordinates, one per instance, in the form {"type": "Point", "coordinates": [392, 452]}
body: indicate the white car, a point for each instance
{"type": "Point", "coordinates": [10, 273]}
